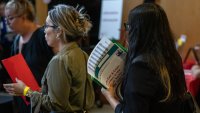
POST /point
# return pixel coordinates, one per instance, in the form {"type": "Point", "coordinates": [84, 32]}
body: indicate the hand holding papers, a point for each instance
{"type": "Point", "coordinates": [106, 64]}
{"type": "Point", "coordinates": [17, 67]}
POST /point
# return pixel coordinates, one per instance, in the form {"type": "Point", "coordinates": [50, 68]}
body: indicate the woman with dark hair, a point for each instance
{"type": "Point", "coordinates": [153, 74]}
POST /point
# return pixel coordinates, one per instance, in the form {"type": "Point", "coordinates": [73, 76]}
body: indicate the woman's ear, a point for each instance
{"type": "Point", "coordinates": [58, 36]}
{"type": "Point", "coordinates": [59, 33]}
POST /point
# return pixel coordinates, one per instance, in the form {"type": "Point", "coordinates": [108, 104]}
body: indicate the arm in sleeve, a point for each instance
{"type": "Point", "coordinates": [118, 108]}
{"type": "Point", "coordinates": [58, 88]}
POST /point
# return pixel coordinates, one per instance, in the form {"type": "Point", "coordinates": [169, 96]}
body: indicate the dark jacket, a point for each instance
{"type": "Point", "coordinates": [143, 91]}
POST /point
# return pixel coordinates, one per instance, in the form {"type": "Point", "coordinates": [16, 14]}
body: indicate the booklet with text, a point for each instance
{"type": "Point", "coordinates": [106, 64]}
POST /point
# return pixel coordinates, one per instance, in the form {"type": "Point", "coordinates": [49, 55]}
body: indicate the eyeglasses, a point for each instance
{"type": "Point", "coordinates": [47, 26]}
{"type": "Point", "coordinates": [12, 17]}
{"type": "Point", "coordinates": [127, 26]}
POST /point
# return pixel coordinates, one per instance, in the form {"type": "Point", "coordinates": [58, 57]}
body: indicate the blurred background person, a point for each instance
{"type": "Point", "coordinates": [6, 34]}
{"type": "Point", "coordinates": [196, 73]}
{"type": "Point", "coordinates": [6, 39]}
{"type": "Point", "coordinates": [30, 42]}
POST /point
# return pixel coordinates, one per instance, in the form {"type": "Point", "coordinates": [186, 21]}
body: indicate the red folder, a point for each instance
{"type": "Point", "coordinates": [17, 67]}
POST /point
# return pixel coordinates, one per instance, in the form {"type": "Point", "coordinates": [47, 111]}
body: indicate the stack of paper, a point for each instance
{"type": "Point", "coordinates": [106, 63]}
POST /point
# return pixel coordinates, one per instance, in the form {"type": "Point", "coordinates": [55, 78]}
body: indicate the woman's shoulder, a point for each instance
{"type": "Point", "coordinates": [56, 60]}
{"type": "Point", "coordinates": [61, 58]}
{"type": "Point", "coordinates": [39, 32]}
{"type": "Point", "coordinates": [72, 51]}
{"type": "Point", "coordinates": [140, 68]}
{"type": "Point", "coordinates": [140, 59]}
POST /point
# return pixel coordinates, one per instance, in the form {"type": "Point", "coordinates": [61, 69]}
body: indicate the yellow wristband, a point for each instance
{"type": "Point", "coordinates": [26, 90]}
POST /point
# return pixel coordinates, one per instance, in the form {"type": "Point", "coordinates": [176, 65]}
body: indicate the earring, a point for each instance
{"type": "Point", "coordinates": [57, 36]}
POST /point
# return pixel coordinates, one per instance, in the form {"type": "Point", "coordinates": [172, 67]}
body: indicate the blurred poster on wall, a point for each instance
{"type": "Point", "coordinates": [110, 20]}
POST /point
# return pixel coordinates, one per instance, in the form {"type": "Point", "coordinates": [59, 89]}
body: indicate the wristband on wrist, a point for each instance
{"type": "Point", "coordinates": [26, 90]}
{"type": "Point", "coordinates": [29, 93]}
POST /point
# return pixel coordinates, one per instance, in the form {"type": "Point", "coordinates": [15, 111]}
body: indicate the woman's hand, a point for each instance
{"type": "Point", "coordinates": [15, 89]}
{"type": "Point", "coordinates": [110, 97]}
{"type": "Point", "coordinates": [106, 93]}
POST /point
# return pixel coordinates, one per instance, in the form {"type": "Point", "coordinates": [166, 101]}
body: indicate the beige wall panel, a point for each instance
{"type": "Point", "coordinates": [127, 6]}
{"type": "Point", "coordinates": [184, 18]}
{"type": "Point", "coordinates": [183, 15]}
{"type": "Point", "coordinates": [41, 11]}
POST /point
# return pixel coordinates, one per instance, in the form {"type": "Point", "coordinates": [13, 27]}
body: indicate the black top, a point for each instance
{"type": "Point", "coordinates": [143, 91]}
{"type": "Point", "coordinates": [37, 54]}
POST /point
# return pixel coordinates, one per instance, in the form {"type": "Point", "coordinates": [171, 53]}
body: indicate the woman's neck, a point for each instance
{"type": "Point", "coordinates": [63, 45]}
{"type": "Point", "coordinates": [55, 50]}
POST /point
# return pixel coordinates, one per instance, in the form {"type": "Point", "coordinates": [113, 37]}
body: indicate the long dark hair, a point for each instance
{"type": "Point", "coordinates": [150, 36]}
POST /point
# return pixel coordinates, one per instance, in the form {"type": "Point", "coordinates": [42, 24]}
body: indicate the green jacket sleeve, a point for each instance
{"type": "Point", "coordinates": [58, 88]}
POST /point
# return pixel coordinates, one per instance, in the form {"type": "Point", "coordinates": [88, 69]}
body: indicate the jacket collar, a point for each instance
{"type": "Point", "coordinates": [68, 47]}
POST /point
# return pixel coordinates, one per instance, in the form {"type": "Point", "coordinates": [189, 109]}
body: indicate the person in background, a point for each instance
{"type": "Point", "coordinates": [196, 73]}
{"type": "Point", "coordinates": [2, 20]}
{"type": "Point", "coordinates": [153, 75]}
{"type": "Point", "coordinates": [30, 42]}
{"type": "Point", "coordinates": [66, 85]}
{"type": "Point", "coordinates": [6, 39]}
{"type": "Point", "coordinates": [6, 35]}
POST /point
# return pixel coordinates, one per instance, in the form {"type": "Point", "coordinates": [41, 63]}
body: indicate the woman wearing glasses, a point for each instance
{"type": "Point", "coordinates": [30, 41]}
{"type": "Point", "coordinates": [66, 86]}
{"type": "Point", "coordinates": [153, 75]}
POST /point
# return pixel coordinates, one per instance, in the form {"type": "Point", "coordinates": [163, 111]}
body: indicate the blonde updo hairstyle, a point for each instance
{"type": "Point", "coordinates": [72, 21]}
{"type": "Point", "coordinates": [22, 7]}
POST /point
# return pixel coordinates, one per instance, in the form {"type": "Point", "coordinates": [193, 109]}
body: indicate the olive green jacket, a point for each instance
{"type": "Point", "coordinates": [63, 84]}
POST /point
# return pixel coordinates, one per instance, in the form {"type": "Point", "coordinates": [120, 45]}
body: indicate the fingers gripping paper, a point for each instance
{"type": "Point", "coordinates": [106, 63]}
{"type": "Point", "coordinates": [17, 67]}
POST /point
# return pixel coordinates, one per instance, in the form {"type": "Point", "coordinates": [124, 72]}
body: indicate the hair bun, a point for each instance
{"type": "Point", "coordinates": [82, 20]}
{"type": "Point", "coordinates": [83, 24]}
